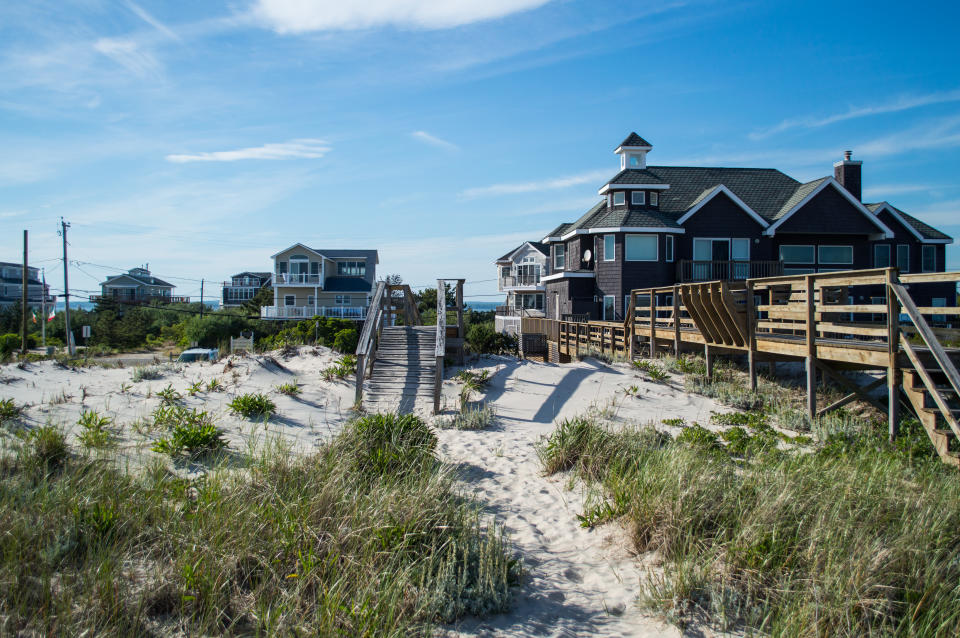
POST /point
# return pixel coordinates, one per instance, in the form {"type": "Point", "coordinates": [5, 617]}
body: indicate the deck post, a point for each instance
{"type": "Point", "coordinates": [708, 359]}
{"type": "Point", "coordinates": [751, 342]}
{"type": "Point", "coordinates": [676, 321]}
{"type": "Point", "coordinates": [631, 315]}
{"type": "Point", "coordinates": [361, 371]}
{"type": "Point", "coordinates": [653, 324]}
{"type": "Point", "coordinates": [811, 359]}
{"type": "Point", "coordinates": [893, 349]}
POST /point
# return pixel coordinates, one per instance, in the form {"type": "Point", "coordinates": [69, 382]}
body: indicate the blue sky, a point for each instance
{"type": "Point", "coordinates": [203, 137]}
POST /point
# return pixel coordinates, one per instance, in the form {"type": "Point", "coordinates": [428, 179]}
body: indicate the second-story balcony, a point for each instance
{"type": "Point", "coordinates": [296, 279]}
{"type": "Point", "coordinates": [514, 311]}
{"type": "Point", "coordinates": [690, 270]}
{"type": "Point", "coordinates": [521, 280]}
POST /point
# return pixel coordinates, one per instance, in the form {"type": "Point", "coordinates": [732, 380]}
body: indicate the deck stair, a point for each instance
{"type": "Point", "coordinates": [404, 369]}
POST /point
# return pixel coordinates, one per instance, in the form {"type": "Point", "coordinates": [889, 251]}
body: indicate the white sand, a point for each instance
{"type": "Point", "coordinates": [577, 581]}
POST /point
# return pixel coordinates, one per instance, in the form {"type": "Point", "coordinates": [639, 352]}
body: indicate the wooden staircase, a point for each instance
{"type": "Point", "coordinates": [404, 370]}
{"type": "Point", "coordinates": [935, 401]}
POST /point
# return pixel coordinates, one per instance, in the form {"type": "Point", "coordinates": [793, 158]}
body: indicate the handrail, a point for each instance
{"type": "Point", "coordinates": [366, 347]}
{"type": "Point", "coordinates": [929, 338]}
{"type": "Point", "coordinates": [930, 385]}
{"type": "Point", "coordinates": [441, 346]}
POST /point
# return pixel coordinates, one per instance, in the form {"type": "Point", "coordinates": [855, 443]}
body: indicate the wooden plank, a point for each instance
{"type": "Point", "coordinates": [811, 338]}
{"type": "Point", "coordinates": [851, 329]}
{"type": "Point", "coordinates": [851, 397]}
{"type": "Point", "coordinates": [893, 349]}
{"type": "Point", "coordinates": [751, 342]}
{"type": "Point", "coordinates": [676, 322]}
{"type": "Point", "coordinates": [850, 386]}
{"type": "Point", "coordinates": [939, 310]}
{"type": "Point", "coordinates": [921, 370]}
{"type": "Point", "coordinates": [737, 317]}
{"type": "Point", "coordinates": [930, 277]}
{"type": "Point", "coordinates": [653, 324]}
{"type": "Point", "coordinates": [923, 329]}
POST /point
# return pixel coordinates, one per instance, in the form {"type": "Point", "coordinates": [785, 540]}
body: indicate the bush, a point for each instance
{"type": "Point", "coordinates": [390, 445]}
{"type": "Point", "coordinates": [289, 389]}
{"type": "Point", "coordinates": [94, 432]}
{"type": "Point", "coordinates": [9, 410]}
{"type": "Point", "coordinates": [478, 417]}
{"type": "Point", "coordinates": [346, 341]}
{"type": "Point", "coordinates": [483, 339]}
{"type": "Point", "coordinates": [48, 446]}
{"type": "Point", "coordinates": [341, 368]}
{"type": "Point", "coordinates": [194, 437]}
{"type": "Point", "coordinates": [253, 405]}
{"type": "Point", "coordinates": [147, 373]}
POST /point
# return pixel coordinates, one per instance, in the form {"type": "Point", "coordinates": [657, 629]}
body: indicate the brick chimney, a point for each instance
{"type": "Point", "coordinates": [847, 172]}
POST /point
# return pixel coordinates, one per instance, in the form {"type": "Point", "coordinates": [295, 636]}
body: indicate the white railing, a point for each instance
{"type": "Point", "coordinates": [305, 312]}
{"type": "Point", "coordinates": [288, 278]}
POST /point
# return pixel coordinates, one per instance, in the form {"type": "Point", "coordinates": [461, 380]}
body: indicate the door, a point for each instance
{"type": "Point", "coordinates": [609, 307]}
{"type": "Point", "coordinates": [720, 255]}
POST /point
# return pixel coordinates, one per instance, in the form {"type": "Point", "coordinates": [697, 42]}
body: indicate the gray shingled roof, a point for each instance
{"type": "Point", "coordinates": [543, 248]}
{"type": "Point", "coordinates": [559, 230]}
{"type": "Point", "coordinates": [635, 140]}
{"type": "Point", "coordinates": [926, 231]}
{"type": "Point", "coordinates": [346, 284]}
{"type": "Point", "coordinates": [636, 176]}
{"type": "Point", "coordinates": [798, 195]}
{"type": "Point", "coordinates": [621, 216]}
{"type": "Point", "coordinates": [147, 280]}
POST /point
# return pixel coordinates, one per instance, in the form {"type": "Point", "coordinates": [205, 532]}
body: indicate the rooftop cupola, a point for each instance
{"type": "Point", "coordinates": [633, 152]}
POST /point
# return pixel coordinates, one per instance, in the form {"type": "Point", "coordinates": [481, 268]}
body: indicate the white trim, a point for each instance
{"type": "Point", "coordinates": [622, 194]}
{"type": "Point", "coordinates": [656, 243]}
{"type": "Point", "coordinates": [567, 275]}
{"type": "Point", "coordinates": [720, 188]}
{"type": "Point", "coordinates": [896, 215]}
{"type": "Point", "coordinates": [623, 229]}
{"type": "Point", "coordinates": [668, 241]}
{"type": "Point", "coordinates": [650, 187]}
{"type": "Point", "coordinates": [830, 181]}
{"type": "Point", "coordinates": [633, 198]}
{"type": "Point", "coordinates": [510, 256]}
{"type": "Point", "coordinates": [621, 149]}
{"type": "Point", "coordinates": [274, 256]}
{"type": "Point", "coordinates": [613, 255]}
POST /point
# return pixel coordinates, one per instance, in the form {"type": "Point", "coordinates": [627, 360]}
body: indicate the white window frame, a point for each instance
{"type": "Point", "coordinates": [821, 260]}
{"type": "Point", "coordinates": [619, 195]}
{"type": "Point", "coordinates": [905, 267]}
{"type": "Point", "coordinates": [311, 300]}
{"type": "Point", "coordinates": [668, 248]}
{"type": "Point", "coordinates": [876, 252]}
{"type": "Point", "coordinates": [560, 257]}
{"type": "Point", "coordinates": [610, 255]}
{"type": "Point", "coordinates": [813, 253]}
{"type": "Point", "coordinates": [613, 301]}
{"type": "Point", "coordinates": [289, 300]}
{"type": "Point", "coordinates": [342, 300]}
{"type": "Point", "coordinates": [638, 201]}
{"type": "Point", "coordinates": [654, 198]}
{"type": "Point", "coordinates": [923, 259]}
{"type": "Point", "coordinates": [626, 238]}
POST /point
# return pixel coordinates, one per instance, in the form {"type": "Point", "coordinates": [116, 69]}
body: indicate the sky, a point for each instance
{"type": "Point", "coordinates": [202, 137]}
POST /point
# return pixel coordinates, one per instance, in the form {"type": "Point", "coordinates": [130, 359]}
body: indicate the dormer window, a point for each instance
{"type": "Point", "coordinates": [635, 161]}
{"type": "Point", "coordinates": [654, 198]}
{"type": "Point", "coordinates": [638, 198]}
{"type": "Point", "coordinates": [619, 198]}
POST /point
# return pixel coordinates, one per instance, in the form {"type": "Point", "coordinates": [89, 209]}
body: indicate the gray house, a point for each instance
{"type": "Point", "coordinates": [137, 285]}
{"type": "Point", "coordinates": [11, 286]}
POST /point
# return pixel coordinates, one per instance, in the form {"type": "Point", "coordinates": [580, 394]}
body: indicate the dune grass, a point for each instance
{"type": "Point", "coordinates": [851, 537]}
{"type": "Point", "coordinates": [367, 537]}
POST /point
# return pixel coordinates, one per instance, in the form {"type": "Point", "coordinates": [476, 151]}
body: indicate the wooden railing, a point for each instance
{"type": "Point", "coordinates": [370, 336]}
{"type": "Point", "coordinates": [691, 270]}
{"type": "Point", "coordinates": [441, 345]}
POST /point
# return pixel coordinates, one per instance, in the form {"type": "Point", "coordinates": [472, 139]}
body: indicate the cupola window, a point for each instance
{"type": "Point", "coordinates": [654, 198]}
{"type": "Point", "coordinates": [619, 198]}
{"type": "Point", "coordinates": [638, 198]}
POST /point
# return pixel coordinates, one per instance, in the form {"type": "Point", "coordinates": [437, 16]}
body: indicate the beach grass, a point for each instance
{"type": "Point", "coordinates": [366, 537]}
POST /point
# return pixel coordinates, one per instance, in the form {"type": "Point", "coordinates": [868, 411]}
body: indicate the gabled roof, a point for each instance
{"type": "Point", "coordinates": [536, 245]}
{"type": "Point", "coordinates": [709, 194]}
{"type": "Point", "coordinates": [920, 230]}
{"type": "Point", "coordinates": [635, 140]}
{"type": "Point", "coordinates": [261, 275]}
{"type": "Point", "coordinates": [808, 191]}
{"type": "Point", "coordinates": [146, 280]}
{"type": "Point", "coordinates": [334, 253]}
{"type": "Point", "coordinates": [556, 232]}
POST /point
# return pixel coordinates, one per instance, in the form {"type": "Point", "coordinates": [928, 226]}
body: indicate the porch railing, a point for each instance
{"type": "Point", "coordinates": [525, 279]}
{"type": "Point", "coordinates": [306, 312]}
{"type": "Point", "coordinates": [690, 270]}
{"type": "Point", "coordinates": [511, 311]}
{"type": "Point", "coordinates": [289, 278]}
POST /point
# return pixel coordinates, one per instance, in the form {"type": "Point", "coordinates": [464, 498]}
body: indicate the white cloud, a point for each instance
{"type": "Point", "coordinates": [297, 16]}
{"type": "Point", "coordinates": [902, 103]}
{"type": "Point", "coordinates": [294, 149]}
{"type": "Point", "coordinates": [433, 140]}
{"type": "Point", "coordinates": [555, 183]}
{"type": "Point", "coordinates": [884, 191]}
{"type": "Point", "coordinates": [152, 21]}
{"type": "Point", "coordinates": [129, 55]}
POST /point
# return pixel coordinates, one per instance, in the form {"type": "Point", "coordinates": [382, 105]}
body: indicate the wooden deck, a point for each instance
{"type": "Point", "coordinates": [808, 318]}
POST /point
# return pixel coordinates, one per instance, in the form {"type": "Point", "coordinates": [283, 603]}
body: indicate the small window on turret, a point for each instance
{"type": "Point", "coordinates": [634, 161]}
{"type": "Point", "coordinates": [654, 199]}
{"type": "Point", "coordinates": [619, 198]}
{"type": "Point", "coordinates": [638, 198]}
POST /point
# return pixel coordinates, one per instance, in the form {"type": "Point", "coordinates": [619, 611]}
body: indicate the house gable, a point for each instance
{"type": "Point", "coordinates": [829, 208]}
{"type": "Point", "coordinates": [896, 219]}
{"type": "Point", "coordinates": [123, 281]}
{"type": "Point", "coordinates": [296, 249]}
{"type": "Point", "coordinates": [723, 210]}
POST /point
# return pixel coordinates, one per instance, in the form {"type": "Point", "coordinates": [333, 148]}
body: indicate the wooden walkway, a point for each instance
{"type": "Point", "coordinates": [810, 318]}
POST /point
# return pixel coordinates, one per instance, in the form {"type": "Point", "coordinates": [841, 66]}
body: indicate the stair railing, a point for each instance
{"type": "Point", "coordinates": [441, 345]}
{"type": "Point", "coordinates": [370, 335]}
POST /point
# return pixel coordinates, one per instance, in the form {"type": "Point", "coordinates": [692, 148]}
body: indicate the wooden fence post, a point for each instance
{"type": "Point", "coordinates": [751, 340]}
{"type": "Point", "coordinates": [632, 315]}
{"type": "Point", "coordinates": [708, 359]}
{"type": "Point", "coordinates": [676, 321]}
{"type": "Point", "coordinates": [653, 324]}
{"type": "Point", "coordinates": [893, 350]}
{"type": "Point", "coordinates": [811, 359]}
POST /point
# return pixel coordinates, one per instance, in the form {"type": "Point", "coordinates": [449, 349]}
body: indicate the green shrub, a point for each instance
{"type": "Point", "coordinates": [93, 429]}
{"type": "Point", "coordinates": [390, 445]}
{"type": "Point", "coordinates": [9, 410]}
{"type": "Point", "coordinates": [482, 338]}
{"type": "Point", "coordinates": [194, 437]}
{"type": "Point", "coordinates": [253, 405]}
{"type": "Point", "coordinates": [699, 436]}
{"type": "Point", "coordinates": [346, 340]}
{"type": "Point", "coordinates": [169, 396]}
{"type": "Point", "coordinates": [48, 446]}
{"type": "Point", "coordinates": [343, 367]}
{"type": "Point", "coordinates": [478, 417]}
{"type": "Point", "coordinates": [289, 389]}
{"type": "Point", "coordinates": [147, 373]}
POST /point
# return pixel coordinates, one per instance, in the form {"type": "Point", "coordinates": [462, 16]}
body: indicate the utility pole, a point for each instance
{"type": "Point", "coordinates": [23, 297]}
{"type": "Point", "coordinates": [201, 298]}
{"type": "Point", "coordinates": [66, 285]}
{"type": "Point", "coordinates": [43, 309]}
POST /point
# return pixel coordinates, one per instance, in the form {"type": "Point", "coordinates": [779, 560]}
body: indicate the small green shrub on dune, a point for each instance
{"type": "Point", "coordinates": [192, 437]}
{"type": "Point", "coordinates": [93, 429]}
{"type": "Point", "coordinates": [291, 389]}
{"type": "Point", "coordinates": [169, 396]}
{"type": "Point", "coordinates": [384, 445]}
{"type": "Point", "coordinates": [9, 410]}
{"type": "Point", "coordinates": [254, 405]}
{"type": "Point", "coordinates": [46, 447]}
{"type": "Point", "coordinates": [478, 417]}
{"type": "Point", "coordinates": [147, 373]}
{"type": "Point", "coordinates": [343, 367]}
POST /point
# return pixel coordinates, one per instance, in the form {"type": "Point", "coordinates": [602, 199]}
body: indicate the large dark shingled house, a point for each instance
{"type": "Point", "coordinates": [660, 225]}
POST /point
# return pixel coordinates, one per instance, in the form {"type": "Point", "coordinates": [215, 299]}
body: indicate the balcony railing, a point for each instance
{"type": "Point", "coordinates": [689, 270]}
{"type": "Point", "coordinates": [295, 279]}
{"type": "Point", "coordinates": [512, 311]}
{"type": "Point", "coordinates": [306, 312]}
{"type": "Point", "coordinates": [139, 298]}
{"type": "Point", "coordinates": [513, 281]}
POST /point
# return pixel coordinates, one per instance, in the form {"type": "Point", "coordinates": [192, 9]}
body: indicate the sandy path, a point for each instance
{"type": "Point", "coordinates": [578, 581]}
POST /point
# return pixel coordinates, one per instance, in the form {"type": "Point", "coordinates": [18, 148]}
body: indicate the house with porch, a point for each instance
{"type": "Point", "coordinates": [324, 282]}
{"type": "Point", "coordinates": [519, 275]}
{"type": "Point", "coordinates": [660, 225]}
{"type": "Point", "coordinates": [11, 286]}
{"type": "Point", "coordinates": [243, 287]}
{"type": "Point", "coordinates": [137, 286]}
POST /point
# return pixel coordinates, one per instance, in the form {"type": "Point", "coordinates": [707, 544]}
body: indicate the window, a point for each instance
{"type": "Point", "coordinates": [504, 272]}
{"type": "Point", "coordinates": [310, 300]}
{"type": "Point", "coordinates": [881, 256]}
{"type": "Point", "coordinates": [668, 248]}
{"type": "Point", "coordinates": [289, 300]}
{"type": "Point", "coordinates": [903, 257]}
{"type": "Point", "coordinates": [559, 257]}
{"type": "Point", "coordinates": [636, 161]}
{"type": "Point", "coordinates": [835, 254]}
{"type": "Point", "coordinates": [619, 198]}
{"type": "Point", "coordinates": [796, 254]}
{"type": "Point", "coordinates": [314, 267]}
{"type": "Point", "coordinates": [609, 307]}
{"type": "Point", "coordinates": [929, 254]}
{"type": "Point", "coordinates": [609, 248]}
{"type": "Point", "coordinates": [740, 249]}
{"type": "Point", "coordinates": [638, 198]}
{"type": "Point", "coordinates": [342, 300]}
{"type": "Point", "coordinates": [654, 198]}
{"type": "Point", "coordinates": [640, 247]}
{"type": "Point", "coordinates": [878, 301]}
{"type": "Point", "coordinates": [798, 271]}
{"type": "Point", "coordinates": [939, 302]}
{"type": "Point", "coordinates": [351, 268]}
